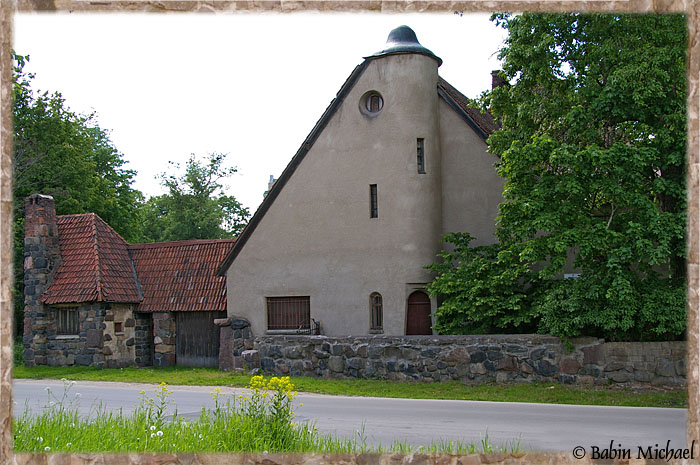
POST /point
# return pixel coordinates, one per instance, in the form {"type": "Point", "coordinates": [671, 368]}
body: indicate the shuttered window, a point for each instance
{"type": "Point", "coordinates": [288, 313]}
{"type": "Point", "coordinates": [67, 321]}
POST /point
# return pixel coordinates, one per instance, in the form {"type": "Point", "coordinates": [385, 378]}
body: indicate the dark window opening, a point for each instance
{"type": "Point", "coordinates": [421, 156]}
{"type": "Point", "coordinates": [288, 313]}
{"type": "Point", "coordinates": [374, 103]}
{"type": "Point", "coordinates": [375, 302]}
{"type": "Point", "coordinates": [67, 321]}
{"type": "Point", "coordinates": [118, 327]}
{"type": "Point", "coordinates": [373, 212]}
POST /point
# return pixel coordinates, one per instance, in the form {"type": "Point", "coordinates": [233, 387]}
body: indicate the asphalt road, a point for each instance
{"type": "Point", "coordinates": [538, 426]}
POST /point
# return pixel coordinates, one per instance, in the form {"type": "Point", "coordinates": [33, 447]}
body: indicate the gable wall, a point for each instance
{"type": "Point", "coordinates": [317, 239]}
{"type": "Point", "coordinates": [471, 189]}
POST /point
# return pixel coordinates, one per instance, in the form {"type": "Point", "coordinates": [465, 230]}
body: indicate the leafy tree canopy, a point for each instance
{"type": "Point", "coordinates": [196, 206]}
{"type": "Point", "coordinates": [592, 148]}
{"type": "Point", "coordinates": [66, 155]}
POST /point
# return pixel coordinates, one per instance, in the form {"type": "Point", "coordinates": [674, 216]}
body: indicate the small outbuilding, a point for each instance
{"type": "Point", "coordinates": [93, 299]}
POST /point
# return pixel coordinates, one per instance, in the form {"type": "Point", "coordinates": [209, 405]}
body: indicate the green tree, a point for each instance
{"type": "Point", "coordinates": [66, 155]}
{"type": "Point", "coordinates": [195, 206]}
{"type": "Point", "coordinates": [592, 148]}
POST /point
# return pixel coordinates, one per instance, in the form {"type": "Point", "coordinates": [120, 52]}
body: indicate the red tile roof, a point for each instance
{"type": "Point", "coordinates": [95, 263]}
{"type": "Point", "coordinates": [181, 276]}
{"type": "Point", "coordinates": [98, 265]}
{"type": "Point", "coordinates": [484, 121]}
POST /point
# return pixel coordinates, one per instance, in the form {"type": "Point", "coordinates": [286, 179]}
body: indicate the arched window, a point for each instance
{"type": "Point", "coordinates": [375, 312]}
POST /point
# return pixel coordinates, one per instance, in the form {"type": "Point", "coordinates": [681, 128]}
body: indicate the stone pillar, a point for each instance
{"type": "Point", "coordinates": [164, 327]}
{"type": "Point", "coordinates": [236, 345]}
{"type": "Point", "coordinates": [41, 258]}
{"type": "Point", "coordinates": [143, 336]}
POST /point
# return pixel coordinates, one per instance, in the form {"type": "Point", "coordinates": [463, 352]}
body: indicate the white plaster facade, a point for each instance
{"type": "Point", "coordinates": [314, 235]}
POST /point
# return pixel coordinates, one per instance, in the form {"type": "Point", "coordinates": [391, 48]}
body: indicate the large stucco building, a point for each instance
{"type": "Point", "coordinates": [342, 238]}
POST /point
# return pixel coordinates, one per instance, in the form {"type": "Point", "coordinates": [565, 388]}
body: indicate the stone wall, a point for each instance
{"type": "Point", "coordinates": [473, 359]}
{"type": "Point", "coordinates": [143, 338]}
{"type": "Point", "coordinates": [164, 327]}
{"type": "Point", "coordinates": [119, 336]}
{"type": "Point", "coordinates": [98, 343]}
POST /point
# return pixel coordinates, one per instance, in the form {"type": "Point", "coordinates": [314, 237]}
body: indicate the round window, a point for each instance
{"type": "Point", "coordinates": [371, 103]}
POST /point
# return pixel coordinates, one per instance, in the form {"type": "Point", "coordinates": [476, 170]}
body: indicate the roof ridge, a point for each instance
{"type": "Point", "coordinates": [98, 272]}
{"type": "Point", "coordinates": [73, 214]}
{"type": "Point", "coordinates": [150, 245]}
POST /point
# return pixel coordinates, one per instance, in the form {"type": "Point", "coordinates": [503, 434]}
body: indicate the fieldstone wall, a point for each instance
{"type": "Point", "coordinates": [164, 327]}
{"type": "Point", "coordinates": [143, 339]}
{"type": "Point", "coordinates": [473, 359]}
{"type": "Point", "coordinates": [119, 336]}
{"type": "Point", "coordinates": [97, 343]}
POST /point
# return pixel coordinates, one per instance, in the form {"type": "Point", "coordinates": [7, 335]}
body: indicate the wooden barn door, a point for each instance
{"type": "Point", "coordinates": [197, 341]}
{"type": "Point", "coordinates": [418, 316]}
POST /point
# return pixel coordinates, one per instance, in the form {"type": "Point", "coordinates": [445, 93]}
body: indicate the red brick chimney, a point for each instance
{"type": "Point", "coordinates": [42, 256]}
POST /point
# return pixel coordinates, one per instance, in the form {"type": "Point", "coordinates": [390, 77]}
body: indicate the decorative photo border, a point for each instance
{"type": "Point", "coordinates": [9, 7]}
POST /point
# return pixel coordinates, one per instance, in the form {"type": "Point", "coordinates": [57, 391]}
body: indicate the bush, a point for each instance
{"type": "Point", "coordinates": [18, 354]}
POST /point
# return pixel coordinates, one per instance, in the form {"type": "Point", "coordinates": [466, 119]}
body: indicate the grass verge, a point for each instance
{"type": "Point", "coordinates": [262, 421]}
{"type": "Point", "coordinates": [535, 392]}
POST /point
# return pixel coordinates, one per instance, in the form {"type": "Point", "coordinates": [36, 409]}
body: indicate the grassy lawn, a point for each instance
{"type": "Point", "coordinates": [543, 393]}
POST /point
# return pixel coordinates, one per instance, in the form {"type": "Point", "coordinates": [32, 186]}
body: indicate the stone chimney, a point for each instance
{"type": "Point", "coordinates": [41, 258]}
{"type": "Point", "coordinates": [497, 79]}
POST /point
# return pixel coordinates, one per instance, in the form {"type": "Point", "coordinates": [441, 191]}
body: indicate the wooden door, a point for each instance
{"type": "Point", "coordinates": [197, 340]}
{"type": "Point", "coordinates": [418, 316]}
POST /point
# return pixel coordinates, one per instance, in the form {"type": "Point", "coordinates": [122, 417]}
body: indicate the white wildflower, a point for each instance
{"type": "Point", "coordinates": [159, 433]}
{"type": "Point", "coordinates": [153, 435]}
{"type": "Point", "coordinates": [40, 439]}
{"type": "Point", "coordinates": [47, 448]}
{"type": "Point", "coordinates": [152, 428]}
{"type": "Point", "coordinates": [69, 444]}
{"type": "Point", "coordinates": [200, 436]}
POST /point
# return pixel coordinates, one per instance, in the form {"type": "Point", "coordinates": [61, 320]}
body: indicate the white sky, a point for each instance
{"type": "Point", "coordinates": [250, 85]}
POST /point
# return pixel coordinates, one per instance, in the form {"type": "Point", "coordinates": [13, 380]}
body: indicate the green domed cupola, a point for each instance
{"type": "Point", "coordinates": [403, 40]}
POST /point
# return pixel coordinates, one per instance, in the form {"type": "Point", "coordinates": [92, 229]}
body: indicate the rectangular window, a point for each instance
{"type": "Point", "coordinates": [293, 313]}
{"type": "Point", "coordinates": [118, 327]}
{"type": "Point", "coordinates": [67, 321]}
{"type": "Point", "coordinates": [421, 156]}
{"type": "Point", "coordinates": [373, 212]}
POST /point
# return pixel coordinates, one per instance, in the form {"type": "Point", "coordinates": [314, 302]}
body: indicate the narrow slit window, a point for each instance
{"type": "Point", "coordinates": [375, 307]}
{"type": "Point", "coordinates": [373, 212]}
{"type": "Point", "coordinates": [421, 156]}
